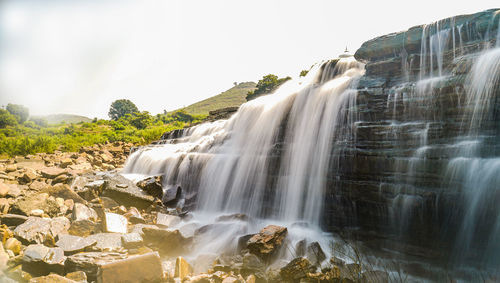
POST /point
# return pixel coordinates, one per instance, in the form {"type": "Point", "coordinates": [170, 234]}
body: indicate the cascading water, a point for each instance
{"type": "Point", "coordinates": [269, 161]}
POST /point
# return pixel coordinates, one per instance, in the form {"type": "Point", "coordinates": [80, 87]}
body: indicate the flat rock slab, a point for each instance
{"type": "Point", "coordinates": [106, 241]}
{"type": "Point", "coordinates": [141, 268]}
{"type": "Point", "coordinates": [73, 244]}
{"type": "Point", "coordinates": [132, 240]}
{"type": "Point", "coordinates": [115, 223]}
{"type": "Point", "coordinates": [167, 220]}
{"type": "Point", "coordinates": [82, 212]}
{"type": "Point", "coordinates": [126, 192]}
{"type": "Point", "coordinates": [52, 278]}
{"type": "Point", "coordinates": [52, 172]}
{"type": "Point", "coordinates": [13, 219]}
{"type": "Point", "coordinates": [84, 228]}
{"type": "Point", "coordinates": [63, 191]}
{"type": "Point", "coordinates": [36, 201]}
{"type": "Point", "coordinates": [41, 230]}
{"type": "Point", "coordinates": [40, 260]}
{"type": "Point", "coordinates": [89, 262]}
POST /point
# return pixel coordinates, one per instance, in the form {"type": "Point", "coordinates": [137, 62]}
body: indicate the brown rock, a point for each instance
{"type": "Point", "coordinates": [40, 260]}
{"type": "Point", "coordinates": [106, 242]}
{"type": "Point", "coordinates": [41, 230]}
{"type": "Point", "coordinates": [78, 276]}
{"type": "Point", "coordinates": [52, 172]}
{"type": "Point", "coordinates": [38, 185]}
{"type": "Point", "coordinates": [267, 241]}
{"type": "Point", "coordinates": [66, 162]}
{"type": "Point", "coordinates": [4, 205]}
{"type": "Point", "coordinates": [140, 268]}
{"type": "Point", "coordinates": [132, 240]}
{"type": "Point", "coordinates": [63, 191]}
{"type": "Point", "coordinates": [83, 228]}
{"type": "Point", "coordinates": [167, 242]}
{"type": "Point", "coordinates": [4, 189]}
{"type": "Point", "coordinates": [182, 268]}
{"type": "Point", "coordinates": [36, 201]}
{"type": "Point", "coordinates": [134, 216]}
{"type": "Point", "coordinates": [89, 262]}
{"type": "Point", "coordinates": [51, 278]}
{"type": "Point", "coordinates": [296, 270]}
{"type": "Point", "coordinates": [11, 168]}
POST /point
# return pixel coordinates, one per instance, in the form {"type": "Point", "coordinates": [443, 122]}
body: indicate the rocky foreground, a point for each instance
{"type": "Point", "coordinates": [69, 217]}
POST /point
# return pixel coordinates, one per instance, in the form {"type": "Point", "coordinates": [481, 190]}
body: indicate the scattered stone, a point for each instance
{"type": "Point", "coordinates": [296, 269]}
{"type": "Point", "coordinates": [36, 201]}
{"type": "Point", "coordinates": [36, 212]}
{"type": "Point", "coordinates": [132, 240]}
{"type": "Point", "coordinates": [114, 223]}
{"type": "Point", "coordinates": [73, 244]}
{"type": "Point", "coordinates": [134, 216]}
{"type": "Point", "coordinates": [182, 268]}
{"type": "Point", "coordinates": [38, 185]}
{"type": "Point", "coordinates": [130, 195]}
{"type": "Point", "coordinates": [28, 176]}
{"type": "Point", "coordinates": [167, 220]}
{"type": "Point", "coordinates": [267, 241]}
{"type": "Point", "coordinates": [66, 162]}
{"type": "Point", "coordinates": [10, 168]}
{"type": "Point", "coordinates": [52, 172]}
{"type": "Point", "coordinates": [4, 190]}
{"type": "Point", "coordinates": [61, 179]}
{"type": "Point", "coordinates": [252, 263]}
{"type": "Point", "coordinates": [40, 260]}
{"type": "Point", "coordinates": [140, 268]}
{"type": "Point", "coordinates": [152, 185]}
{"type": "Point", "coordinates": [13, 219]}
{"type": "Point", "coordinates": [166, 241]}
{"type": "Point", "coordinates": [83, 228]}
{"type": "Point", "coordinates": [82, 212]}
{"type": "Point", "coordinates": [51, 278]}
{"type": "Point", "coordinates": [78, 276]}
{"type": "Point", "coordinates": [13, 245]}
{"type": "Point", "coordinates": [4, 205]}
{"type": "Point", "coordinates": [41, 230]}
{"type": "Point", "coordinates": [14, 190]}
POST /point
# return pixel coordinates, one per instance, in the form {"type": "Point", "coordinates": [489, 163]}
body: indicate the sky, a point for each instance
{"type": "Point", "coordinates": [78, 56]}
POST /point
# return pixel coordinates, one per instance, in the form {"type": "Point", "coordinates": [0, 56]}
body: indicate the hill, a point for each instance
{"type": "Point", "coordinates": [232, 97]}
{"type": "Point", "coordinates": [55, 119]}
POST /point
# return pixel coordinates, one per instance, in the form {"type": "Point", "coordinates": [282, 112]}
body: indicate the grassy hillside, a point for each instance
{"type": "Point", "coordinates": [55, 119]}
{"type": "Point", "coordinates": [234, 96]}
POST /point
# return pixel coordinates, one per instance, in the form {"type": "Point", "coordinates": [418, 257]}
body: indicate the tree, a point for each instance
{"type": "Point", "coordinates": [120, 108]}
{"type": "Point", "coordinates": [7, 119]}
{"type": "Point", "coordinates": [266, 85]}
{"type": "Point", "coordinates": [20, 112]}
{"type": "Point", "coordinates": [141, 120]}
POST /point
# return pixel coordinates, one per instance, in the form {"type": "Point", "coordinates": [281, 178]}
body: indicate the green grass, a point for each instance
{"type": "Point", "coordinates": [234, 96]}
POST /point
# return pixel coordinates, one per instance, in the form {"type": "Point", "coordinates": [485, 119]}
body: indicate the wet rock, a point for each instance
{"type": "Point", "coordinates": [140, 268]}
{"type": "Point", "coordinates": [41, 230]}
{"type": "Point", "coordinates": [315, 254]}
{"type": "Point", "coordinates": [63, 191]}
{"type": "Point", "coordinates": [82, 212]}
{"type": "Point", "coordinates": [13, 219]}
{"type": "Point", "coordinates": [78, 276]}
{"type": "Point", "coordinates": [73, 244]}
{"type": "Point", "coordinates": [300, 248]}
{"type": "Point", "coordinates": [52, 278]}
{"type": "Point", "coordinates": [132, 240]}
{"type": "Point", "coordinates": [40, 260]}
{"type": "Point", "coordinates": [89, 262]}
{"type": "Point", "coordinates": [83, 228]}
{"type": "Point", "coordinates": [91, 190]}
{"type": "Point", "coordinates": [152, 185]}
{"type": "Point", "coordinates": [182, 268]}
{"type": "Point", "coordinates": [172, 195]}
{"type": "Point", "coordinates": [139, 227]}
{"type": "Point", "coordinates": [375, 276]}
{"type": "Point", "coordinates": [167, 220]}
{"type": "Point", "coordinates": [52, 172]}
{"type": "Point", "coordinates": [233, 217]}
{"type": "Point", "coordinates": [337, 261]}
{"type": "Point", "coordinates": [36, 201]}
{"type": "Point", "coordinates": [252, 263]}
{"type": "Point", "coordinates": [126, 193]}
{"type": "Point", "coordinates": [13, 245]}
{"type": "Point", "coordinates": [267, 241]}
{"type": "Point", "coordinates": [106, 241]}
{"type": "Point", "coordinates": [166, 241]}
{"type": "Point", "coordinates": [114, 223]}
{"type": "Point", "coordinates": [350, 271]}
{"type": "Point", "coordinates": [296, 270]}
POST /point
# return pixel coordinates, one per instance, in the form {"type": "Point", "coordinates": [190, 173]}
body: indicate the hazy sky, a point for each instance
{"type": "Point", "coordinates": [77, 56]}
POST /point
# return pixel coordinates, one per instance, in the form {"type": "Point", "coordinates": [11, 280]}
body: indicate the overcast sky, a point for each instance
{"type": "Point", "coordinates": [77, 56]}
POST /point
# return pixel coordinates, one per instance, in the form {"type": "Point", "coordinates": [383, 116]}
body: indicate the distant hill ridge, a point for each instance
{"type": "Point", "coordinates": [232, 97]}
{"type": "Point", "coordinates": [66, 118]}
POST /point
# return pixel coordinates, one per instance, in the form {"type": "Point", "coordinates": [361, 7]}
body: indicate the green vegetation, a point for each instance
{"type": "Point", "coordinates": [20, 112]}
{"type": "Point", "coordinates": [120, 108]}
{"type": "Point", "coordinates": [266, 85]}
{"type": "Point", "coordinates": [232, 97]}
{"type": "Point", "coordinates": [36, 135]}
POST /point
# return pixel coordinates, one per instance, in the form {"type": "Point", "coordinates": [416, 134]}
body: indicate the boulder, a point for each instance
{"type": "Point", "coordinates": [13, 219]}
{"type": "Point", "coordinates": [40, 260]}
{"type": "Point", "coordinates": [38, 185]}
{"type": "Point", "coordinates": [267, 241]}
{"type": "Point", "coordinates": [182, 268]}
{"type": "Point", "coordinates": [4, 189]}
{"type": "Point", "coordinates": [78, 276]}
{"type": "Point", "coordinates": [315, 254]}
{"type": "Point", "coordinates": [134, 216]}
{"type": "Point", "coordinates": [296, 270]}
{"type": "Point", "coordinates": [10, 168]}
{"type": "Point", "coordinates": [106, 242]}
{"type": "Point", "coordinates": [36, 201]}
{"type": "Point", "coordinates": [114, 223]}
{"type": "Point", "coordinates": [28, 176]}
{"type": "Point", "coordinates": [41, 230]}
{"type": "Point", "coordinates": [128, 195]}
{"type": "Point", "coordinates": [152, 185]}
{"type": "Point", "coordinates": [168, 242]}
{"type": "Point", "coordinates": [73, 244]}
{"type": "Point", "coordinates": [140, 268]}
